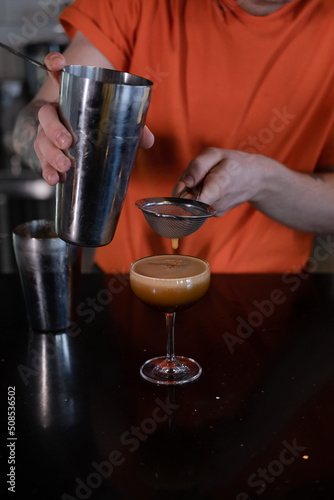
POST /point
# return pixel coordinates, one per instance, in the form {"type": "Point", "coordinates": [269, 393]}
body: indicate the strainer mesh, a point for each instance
{"type": "Point", "coordinates": [174, 217]}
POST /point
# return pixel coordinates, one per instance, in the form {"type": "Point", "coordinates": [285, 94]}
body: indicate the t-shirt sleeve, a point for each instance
{"type": "Point", "coordinates": [110, 25]}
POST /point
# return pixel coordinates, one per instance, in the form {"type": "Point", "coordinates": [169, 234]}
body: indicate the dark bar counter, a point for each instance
{"type": "Point", "coordinates": [78, 422]}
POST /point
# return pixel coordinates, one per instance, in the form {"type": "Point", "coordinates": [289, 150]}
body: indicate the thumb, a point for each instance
{"type": "Point", "coordinates": [197, 169]}
{"type": "Point", "coordinates": [55, 62]}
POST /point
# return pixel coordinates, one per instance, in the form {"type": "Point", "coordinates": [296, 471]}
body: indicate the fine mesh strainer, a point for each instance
{"type": "Point", "coordinates": [174, 217]}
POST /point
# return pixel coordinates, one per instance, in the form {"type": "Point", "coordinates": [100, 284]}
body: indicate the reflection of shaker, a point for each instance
{"type": "Point", "coordinates": [105, 111]}
{"type": "Point", "coordinates": [56, 440]}
{"type": "Point", "coordinates": [52, 374]}
{"type": "Point", "coordinates": [50, 275]}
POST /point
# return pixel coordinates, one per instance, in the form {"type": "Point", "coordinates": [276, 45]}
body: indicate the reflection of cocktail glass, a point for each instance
{"type": "Point", "coordinates": [170, 283]}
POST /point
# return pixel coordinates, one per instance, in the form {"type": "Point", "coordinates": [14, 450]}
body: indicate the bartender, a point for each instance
{"type": "Point", "coordinates": [242, 105]}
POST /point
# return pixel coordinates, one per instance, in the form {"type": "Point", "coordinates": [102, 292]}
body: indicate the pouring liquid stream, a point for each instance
{"type": "Point", "coordinates": [175, 243]}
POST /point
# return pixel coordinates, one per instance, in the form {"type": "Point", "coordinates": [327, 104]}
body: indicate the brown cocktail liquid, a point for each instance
{"type": "Point", "coordinates": [170, 283]}
{"type": "Point", "coordinates": [175, 211]}
{"type": "Point", "coordinates": [175, 243]}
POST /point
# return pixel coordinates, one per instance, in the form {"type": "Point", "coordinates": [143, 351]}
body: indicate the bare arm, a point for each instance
{"type": "Point", "coordinates": [299, 200]}
{"type": "Point", "coordinates": [39, 136]}
{"type": "Point", "coordinates": [25, 132]}
{"type": "Point", "coordinates": [27, 127]}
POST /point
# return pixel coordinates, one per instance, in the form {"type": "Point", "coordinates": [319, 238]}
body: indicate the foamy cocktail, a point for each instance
{"type": "Point", "coordinates": [170, 283]}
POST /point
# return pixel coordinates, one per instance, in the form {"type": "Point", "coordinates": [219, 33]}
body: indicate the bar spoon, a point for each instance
{"type": "Point", "coordinates": [26, 58]}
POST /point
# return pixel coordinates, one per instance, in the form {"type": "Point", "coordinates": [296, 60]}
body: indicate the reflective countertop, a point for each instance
{"type": "Point", "coordinates": [257, 424]}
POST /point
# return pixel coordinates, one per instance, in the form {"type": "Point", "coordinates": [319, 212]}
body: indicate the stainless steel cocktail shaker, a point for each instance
{"type": "Point", "coordinates": [105, 111]}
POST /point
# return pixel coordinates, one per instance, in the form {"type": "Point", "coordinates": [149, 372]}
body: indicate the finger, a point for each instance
{"type": "Point", "coordinates": [50, 175]}
{"type": "Point", "coordinates": [53, 155]}
{"type": "Point", "coordinates": [53, 128]}
{"type": "Point", "coordinates": [200, 166]}
{"type": "Point", "coordinates": [197, 169]}
{"type": "Point", "coordinates": [147, 138]}
{"type": "Point", "coordinates": [191, 193]}
{"type": "Point", "coordinates": [55, 62]}
{"type": "Point", "coordinates": [211, 193]}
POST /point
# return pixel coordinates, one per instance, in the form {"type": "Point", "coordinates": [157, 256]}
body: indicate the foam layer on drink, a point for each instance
{"type": "Point", "coordinates": [170, 266]}
{"type": "Point", "coordinates": [170, 282]}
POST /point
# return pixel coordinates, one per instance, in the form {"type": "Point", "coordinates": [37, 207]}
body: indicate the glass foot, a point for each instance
{"type": "Point", "coordinates": [160, 371]}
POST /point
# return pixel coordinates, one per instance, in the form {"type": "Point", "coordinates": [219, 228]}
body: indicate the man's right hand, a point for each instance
{"type": "Point", "coordinates": [53, 139]}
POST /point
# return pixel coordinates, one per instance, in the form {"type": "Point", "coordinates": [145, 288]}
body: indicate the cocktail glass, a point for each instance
{"type": "Point", "coordinates": [170, 283]}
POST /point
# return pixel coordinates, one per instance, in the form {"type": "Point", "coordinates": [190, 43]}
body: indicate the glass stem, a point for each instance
{"type": "Point", "coordinates": [170, 321]}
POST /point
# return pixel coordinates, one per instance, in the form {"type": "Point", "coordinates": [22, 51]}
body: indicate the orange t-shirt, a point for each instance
{"type": "Point", "coordinates": [222, 78]}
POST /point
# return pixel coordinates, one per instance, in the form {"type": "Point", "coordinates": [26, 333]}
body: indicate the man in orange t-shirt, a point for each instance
{"type": "Point", "coordinates": [243, 94]}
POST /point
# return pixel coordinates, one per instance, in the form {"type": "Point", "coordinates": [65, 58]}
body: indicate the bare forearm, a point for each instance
{"type": "Point", "coordinates": [302, 201]}
{"type": "Point", "coordinates": [229, 178]}
{"type": "Point", "coordinates": [25, 132]}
